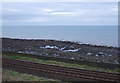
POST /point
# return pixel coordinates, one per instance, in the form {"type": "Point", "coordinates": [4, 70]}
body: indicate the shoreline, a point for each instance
{"type": "Point", "coordinates": [62, 49]}
{"type": "Point", "coordinates": [77, 42]}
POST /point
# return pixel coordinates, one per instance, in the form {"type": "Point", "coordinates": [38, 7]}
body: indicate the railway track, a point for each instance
{"type": "Point", "coordinates": [61, 70]}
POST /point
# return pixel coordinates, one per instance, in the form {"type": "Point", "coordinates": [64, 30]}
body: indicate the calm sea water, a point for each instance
{"type": "Point", "coordinates": [100, 35]}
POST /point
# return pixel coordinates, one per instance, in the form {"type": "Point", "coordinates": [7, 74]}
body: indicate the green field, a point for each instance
{"type": "Point", "coordinates": [62, 63]}
{"type": "Point", "coordinates": [10, 75]}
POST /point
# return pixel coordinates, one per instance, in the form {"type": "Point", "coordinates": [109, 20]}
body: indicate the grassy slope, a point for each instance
{"type": "Point", "coordinates": [9, 75]}
{"type": "Point", "coordinates": [61, 63]}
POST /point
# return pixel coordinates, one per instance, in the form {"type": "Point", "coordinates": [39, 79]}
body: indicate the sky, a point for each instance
{"type": "Point", "coordinates": [60, 0]}
{"type": "Point", "coordinates": [59, 13]}
{"type": "Point", "coordinates": [28, 20]}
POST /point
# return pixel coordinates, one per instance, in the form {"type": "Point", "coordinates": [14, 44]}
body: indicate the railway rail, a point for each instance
{"type": "Point", "coordinates": [80, 62]}
{"type": "Point", "coordinates": [61, 70]}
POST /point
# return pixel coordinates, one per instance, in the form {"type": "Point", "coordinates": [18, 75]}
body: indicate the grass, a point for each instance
{"type": "Point", "coordinates": [117, 70]}
{"type": "Point", "coordinates": [10, 75]}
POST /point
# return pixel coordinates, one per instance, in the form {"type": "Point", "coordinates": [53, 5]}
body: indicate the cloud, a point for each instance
{"type": "Point", "coordinates": [36, 19]}
{"type": "Point", "coordinates": [11, 10]}
{"type": "Point", "coordinates": [28, 20]}
{"type": "Point", "coordinates": [60, 0]}
{"type": "Point", "coordinates": [47, 10]}
{"type": "Point", "coordinates": [63, 13]}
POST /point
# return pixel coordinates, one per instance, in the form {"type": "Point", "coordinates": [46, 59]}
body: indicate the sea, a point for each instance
{"type": "Point", "coordinates": [95, 35]}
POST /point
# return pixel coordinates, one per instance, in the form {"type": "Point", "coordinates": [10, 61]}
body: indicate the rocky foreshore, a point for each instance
{"type": "Point", "coordinates": [62, 49]}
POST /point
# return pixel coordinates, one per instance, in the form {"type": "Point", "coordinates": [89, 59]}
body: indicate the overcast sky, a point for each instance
{"type": "Point", "coordinates": [60, 13]}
